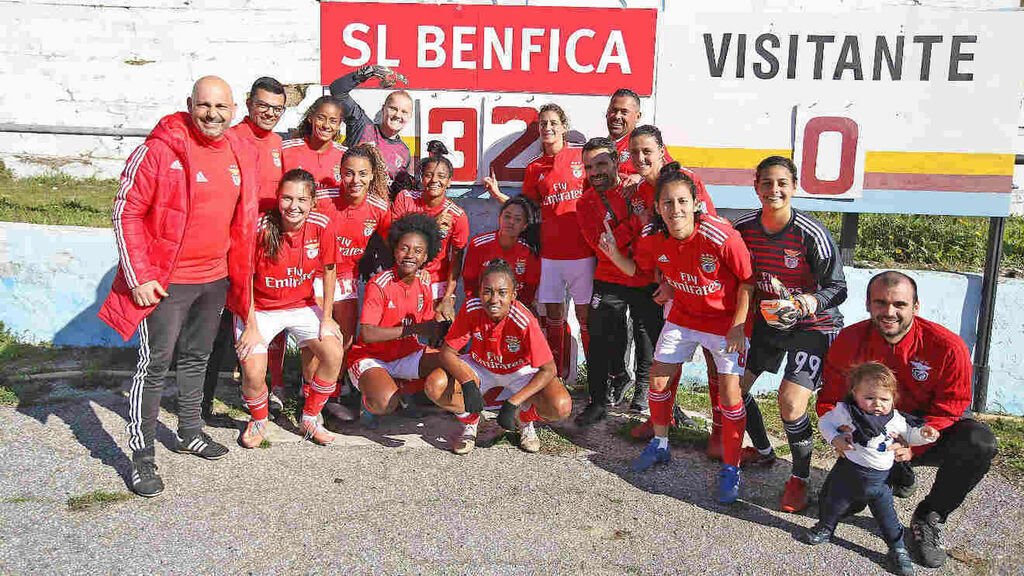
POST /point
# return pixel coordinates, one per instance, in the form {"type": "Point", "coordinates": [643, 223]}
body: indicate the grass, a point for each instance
{"type": "Point", "coordinates": [96, 499]}
{"type": "Point", "coordinates": [19, 500]}
{"type": "Point", "coordinates": [14, 349]}
{"type": "Point", "coordinates": [1010, 433]}
{"type": "Point", "coordinates": [57, 199]}
{"type": "Point", "coordinates": [8, 396]}
{"type": "Point", "coordinates": [930, 242]}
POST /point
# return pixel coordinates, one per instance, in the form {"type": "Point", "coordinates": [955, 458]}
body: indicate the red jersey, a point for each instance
{"type": "Point", "coordinates": [454, 238]}
{"type": "Point", "coordinates": [705, 272]}
{"type": "Point", "coordinates": [287, 281]}
{"type": "Point", "coordinates": [642, 201]}
{"type": "Point", "coordinates": [503, 347]}
{"type": "Point", "coordinates": [352, 226]}
{"type": "Point", "coordinates": [216, 185]}
{"type": "Point", "coordinates": [555, 183]}
{"type": "Point", "coordinates": [931, 364]}
{"type": "Point", "coordinates": [484, 248]}
{"type": "Point", "coordinates": [268, 145]}
{"type": "Point", "coordinates": [324, 166]}
{"type": "Point", "coordinates": [390, 303]}
{"type": "Point", "coordinates": [626, 163]}
{"type": "Point", "coordinates": [592, 213]}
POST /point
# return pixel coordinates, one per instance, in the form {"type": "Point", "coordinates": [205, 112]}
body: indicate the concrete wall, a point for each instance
{"type": "Point", "coordinates": [54, 278]}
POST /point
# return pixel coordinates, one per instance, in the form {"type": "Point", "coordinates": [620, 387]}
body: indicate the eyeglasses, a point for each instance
{"type": "Point", "coordinates": [262, 106]}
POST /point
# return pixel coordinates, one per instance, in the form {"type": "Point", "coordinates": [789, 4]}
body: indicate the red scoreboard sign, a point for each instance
{"type": "Point", "coordinates": [493, 48]}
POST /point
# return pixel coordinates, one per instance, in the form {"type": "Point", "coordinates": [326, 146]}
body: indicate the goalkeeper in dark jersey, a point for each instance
{"type": "Point", "coordinates": [800, 285]}
{"type": "Point", "coordinates": [394, 116]}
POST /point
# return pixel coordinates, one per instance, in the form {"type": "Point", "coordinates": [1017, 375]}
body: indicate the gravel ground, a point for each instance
{"type": "Point", "coordinates": [400, 503]}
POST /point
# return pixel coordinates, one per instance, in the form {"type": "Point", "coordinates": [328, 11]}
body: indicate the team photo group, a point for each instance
{"type": "Point", "coordinates": [230, 236]}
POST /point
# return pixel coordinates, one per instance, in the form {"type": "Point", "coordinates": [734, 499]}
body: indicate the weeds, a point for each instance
{"type": "Point", "coordinates": [95, 499]}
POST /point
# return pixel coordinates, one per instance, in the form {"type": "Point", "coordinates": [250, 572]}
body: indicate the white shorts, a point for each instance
{"type": "Point", "coordinates": [676, 345]}
{"type": "Point", "coordinates": [501, 386]}
{"type": "Point", "coordinates": [558, 275]}
{"type": "Point", "coordinates": [405, 368]}
{"type": "Point", "coordinates": [437, 289]}
{"type": "Point", "coordinates": [344, 289]}
{"type": "Point", "coordinates": [302, 323]}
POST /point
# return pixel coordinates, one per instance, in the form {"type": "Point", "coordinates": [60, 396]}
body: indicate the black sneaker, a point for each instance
{"type": "Point", "coordinates": [925, 539]}
{"type": "Point", "coordinates": [899, 560]}
{"type": "Point", "coordinates": [903, 480]}
{"type": "Point", "coordinates": [145, 481]}
{"type": "Point", "coordinates": [617, 387]}
{"type": "Point", "coordinates": [681, 420]}
{"type": "Point", "coordinates": [201, 445]}
{"type": "Point", "coordinates": [815, 535]}
{"type": "Point", "coordinates": [592, 413]}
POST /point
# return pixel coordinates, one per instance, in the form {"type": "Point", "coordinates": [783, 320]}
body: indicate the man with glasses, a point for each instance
{"type": "Point", "coordinates": [265, 105]}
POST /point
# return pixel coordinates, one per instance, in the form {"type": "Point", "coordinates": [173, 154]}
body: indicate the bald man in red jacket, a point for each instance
{"type": "Point", "coordinates": [933, 367]}
{"type": "Point", "coordinates": [186, 210]}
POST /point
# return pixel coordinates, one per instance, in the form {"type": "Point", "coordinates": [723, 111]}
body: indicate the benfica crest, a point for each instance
{"type": "Point", "coordinates": [337, 172]}
{"type": "Point", "coordinates": [312, 249]}
{"type": "Point", "coordinates": [419, 302]}
{"type": "Point", "coordinates": [275, 155]}
{"type": "Point", "coordinates": [919, 370]}
{"type": "Point", "coordinates": [236, 175]}
{"type": "Point", "coordinates": [520, 267]}
{"type": "Point", "coordinates": [791, 258]}
{"type": "Point", "coordinates": [369, 225]}
{"type": "Point", "coordinates": [708, 263]}
{"type": "Point", "coordinates": [512, 343]}
{"type": "Point", "coordinates": [577, 170]}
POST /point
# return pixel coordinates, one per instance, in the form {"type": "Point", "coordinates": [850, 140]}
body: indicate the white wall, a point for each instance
{"type": "Point", "coordinates": [120, 63]}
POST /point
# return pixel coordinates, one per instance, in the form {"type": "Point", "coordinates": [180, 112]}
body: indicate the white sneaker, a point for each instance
{"type": "Point", "coordinates": [466, 441]}
{"type": "Point", "coordinates": [528, 439]}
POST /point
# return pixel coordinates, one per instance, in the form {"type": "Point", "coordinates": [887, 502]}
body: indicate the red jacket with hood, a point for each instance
{"type": "Point", "coordinates": [151, 211]}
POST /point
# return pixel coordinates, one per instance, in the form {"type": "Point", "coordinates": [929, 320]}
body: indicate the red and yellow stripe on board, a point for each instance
{"type": "Point", "coordinates": [939, 171]}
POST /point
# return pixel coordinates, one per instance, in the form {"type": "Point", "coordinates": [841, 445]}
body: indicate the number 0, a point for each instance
{"type": "Point", "coordinates": [850, 132]}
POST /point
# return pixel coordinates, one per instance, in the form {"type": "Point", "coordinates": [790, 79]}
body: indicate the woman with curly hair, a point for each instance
{"type": "Point", "coordinates": [398, 320]}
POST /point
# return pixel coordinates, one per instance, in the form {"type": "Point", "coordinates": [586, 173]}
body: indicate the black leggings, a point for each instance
{"type": "Point", "coordinates": [607, 324]}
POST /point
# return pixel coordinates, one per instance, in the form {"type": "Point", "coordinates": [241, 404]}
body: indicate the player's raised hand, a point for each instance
{"type": "Point", "coordinates": [606, 242]}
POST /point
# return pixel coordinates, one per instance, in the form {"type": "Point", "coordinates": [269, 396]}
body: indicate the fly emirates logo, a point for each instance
{"type": "Point", "coordinates": [691, 284]}
{"type": "Point", "coordinates": [560, 193]}
{"type": "Point", "coordinates": [347, 248]}
{"type": "Point", "coordinates": [296, 277]}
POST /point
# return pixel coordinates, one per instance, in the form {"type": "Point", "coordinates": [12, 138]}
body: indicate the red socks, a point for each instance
{"type": "Point", "coordinates": [585, 337]}
{"type": "Point", "coordinates": [275, 360]}
{"type": "Point", "coordinates": [716, 409]}
{"type": "Point", "coordinates": [734, 421]}
{"type": "Point", "coordinates": [468, 418]}
{"type": "Point", "coordinates": [555, 333]}
{"type": "Point", "coordinates": [661, 404]}
{"type": "Point", "coordinates": [319, 392]}
{"type": "Point", "coordinates": [258, 408]}
{"type": "Point", "coordinates": [529, 415]}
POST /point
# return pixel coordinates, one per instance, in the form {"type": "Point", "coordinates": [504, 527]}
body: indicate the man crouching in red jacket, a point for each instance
{"type": "Point", "coordinates": [186, 211]}
{"type": "Point", "coordinates": [933, 368]}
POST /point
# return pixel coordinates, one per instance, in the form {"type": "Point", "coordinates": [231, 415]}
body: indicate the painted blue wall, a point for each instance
{"type": "Point", "coordinates": [54, 278]}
